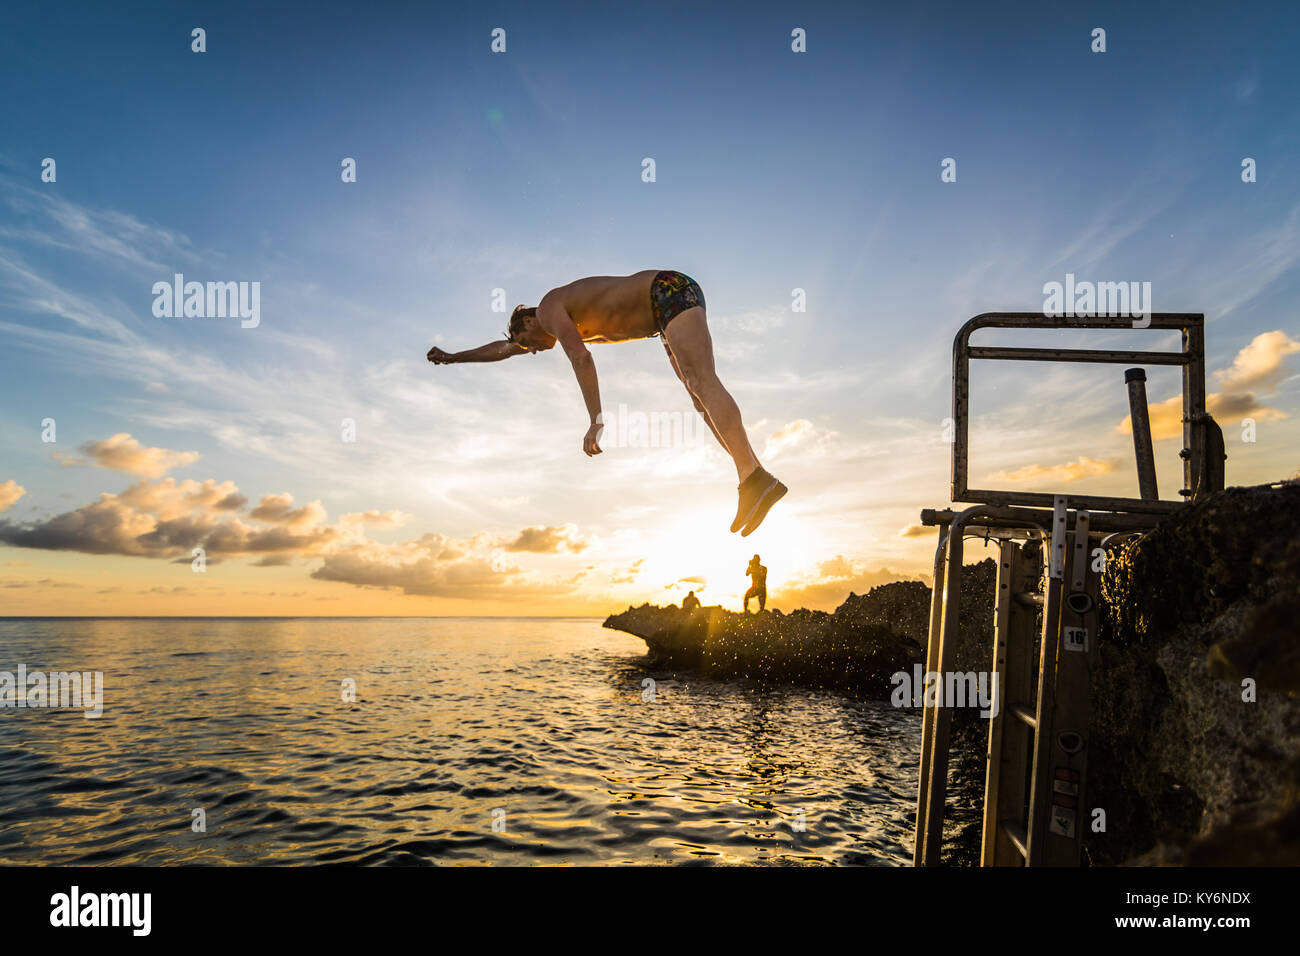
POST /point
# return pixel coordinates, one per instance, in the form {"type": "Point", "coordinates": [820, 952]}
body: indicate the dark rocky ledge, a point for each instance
{"type": "Point", "coordinates": [1188, 772]}
{"type": "Point", "coordinates": [859, 647]}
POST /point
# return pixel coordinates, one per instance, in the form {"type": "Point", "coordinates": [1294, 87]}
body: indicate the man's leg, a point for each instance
{"type": "Point", "coordinates": [699, 406]}
{"type": "Point", "coordinates": [690, 347]}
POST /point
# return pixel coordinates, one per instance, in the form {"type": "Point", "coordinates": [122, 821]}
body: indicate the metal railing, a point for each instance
{"type": "Point", "coordinates": [1199, 471]}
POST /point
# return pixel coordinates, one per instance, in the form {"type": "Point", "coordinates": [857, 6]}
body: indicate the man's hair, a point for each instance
{"type": "Point", "coordinates": [517, 320]}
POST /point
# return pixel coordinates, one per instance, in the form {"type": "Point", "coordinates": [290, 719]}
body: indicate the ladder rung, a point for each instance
{"type": "Point", "coordinates": [1024, 712]}
{"type": "Point", "coordinates": [1017, 834]}
{"type": "Point", "coordinates": [1029, 598]}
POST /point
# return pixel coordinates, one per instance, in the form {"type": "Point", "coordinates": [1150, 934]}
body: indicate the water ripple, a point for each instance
{"type": "Point", "coordinates": [469, 742]}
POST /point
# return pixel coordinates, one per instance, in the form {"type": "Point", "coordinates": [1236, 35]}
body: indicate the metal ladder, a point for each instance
{"type": "Point", "coordinates": [1037, 752]}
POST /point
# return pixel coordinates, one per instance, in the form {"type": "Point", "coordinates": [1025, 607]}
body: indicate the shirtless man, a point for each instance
{"type": "Point", "coordinates": [621, 308]}
{"type": "Point", "coordinates": [758, 584]}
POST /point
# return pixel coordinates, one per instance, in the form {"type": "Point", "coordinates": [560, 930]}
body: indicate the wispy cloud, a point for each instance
{"type": "Point", "coordinates": [51, 220]}
{"type": "Point", "coordinates": [800, 435]}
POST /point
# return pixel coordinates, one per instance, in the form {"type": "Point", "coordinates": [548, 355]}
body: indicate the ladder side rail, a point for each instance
{"type": "Point", "coordinates": [1091, 659]}
{"type": "Point", "coordinates": [1067, 748]}
{"type": "Point", "coordinates": [1052, 599]}
{"type": "Point", "coordinates": [1010, 738]}
{"type": "Point", "coordinates": [993, 769]}
{"type": "Point", "coordinates": [937, 779]}
{"type": "Point", "coordinates": [1022, 648]}
{"type": "Point", "coordinates": [927, 714]}
{"type": "Point", "coordinates": [930, 838]}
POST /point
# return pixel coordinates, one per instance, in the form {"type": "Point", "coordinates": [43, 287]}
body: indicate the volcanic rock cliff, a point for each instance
{"type": "Point", "coordinates": [866, 640]}
{"type": "Point", "coordinates": [1195, 752]}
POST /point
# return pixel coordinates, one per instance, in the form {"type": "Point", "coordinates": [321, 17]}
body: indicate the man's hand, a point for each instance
{"type": "Point", "coordinates": [438, 357]}
{"type": "Point", "coordinates": [592, 437]}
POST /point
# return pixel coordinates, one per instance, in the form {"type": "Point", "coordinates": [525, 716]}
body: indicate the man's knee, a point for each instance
{"type": "Point", "coordinates": [699, 381]}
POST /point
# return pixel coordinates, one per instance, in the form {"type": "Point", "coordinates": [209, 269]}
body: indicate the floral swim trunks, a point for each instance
{"type": "Point", "coordinates": [672, 293]}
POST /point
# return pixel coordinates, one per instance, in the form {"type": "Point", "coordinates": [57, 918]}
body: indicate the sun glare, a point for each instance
{"type": "Point", "coordinates": [789, 548]}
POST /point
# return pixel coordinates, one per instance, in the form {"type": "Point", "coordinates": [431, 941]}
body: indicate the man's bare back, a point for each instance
{"type": "Point", "coordinates": [661, 302]}
{"type": "Point", "coordinates": [608, 308]}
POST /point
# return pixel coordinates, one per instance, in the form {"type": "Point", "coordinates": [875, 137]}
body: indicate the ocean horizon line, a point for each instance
{"type": "Point", "coordinates": [302, 617]}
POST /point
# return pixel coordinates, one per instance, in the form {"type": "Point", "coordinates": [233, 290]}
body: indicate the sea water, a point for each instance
{"type": "Point", "coordinates": [454, 741]}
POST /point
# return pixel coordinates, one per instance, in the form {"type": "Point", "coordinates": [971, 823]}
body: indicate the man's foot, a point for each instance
{"type": "Point", "coordinates": [758, 493]}
{"type": "Point", "coordinates": [748, 489]}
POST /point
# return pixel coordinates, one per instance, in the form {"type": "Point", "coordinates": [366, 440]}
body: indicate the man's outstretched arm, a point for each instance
{"type": "Point", "coordinates": [492, 352]}
{"type": "Point", "coordinates": [555, 319]}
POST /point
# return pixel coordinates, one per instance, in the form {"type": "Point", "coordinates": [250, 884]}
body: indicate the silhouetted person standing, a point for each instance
{"type": "Point", "coordinates": [690, 602]}
{"type": "Point", "coordinates": [758, 584]}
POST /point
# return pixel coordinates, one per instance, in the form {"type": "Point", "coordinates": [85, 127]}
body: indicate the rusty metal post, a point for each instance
{"type": "Point", "coordinates": [960, 410]}
{"type": "Point", "coordinates": [1193, 405]}
{"type": "Point", "coordinates": [1136, 379]}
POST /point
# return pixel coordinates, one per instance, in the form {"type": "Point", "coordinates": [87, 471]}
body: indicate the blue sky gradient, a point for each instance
{"type": "Point", "coordinates": [522, 171]}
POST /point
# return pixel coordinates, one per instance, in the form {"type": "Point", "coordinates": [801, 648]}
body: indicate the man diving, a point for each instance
{"type": "Point", "coordinates": [621, 308]}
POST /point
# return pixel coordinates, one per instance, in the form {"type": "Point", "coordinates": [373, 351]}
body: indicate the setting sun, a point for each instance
{"type": "Point", "coordinates": [714, 565]}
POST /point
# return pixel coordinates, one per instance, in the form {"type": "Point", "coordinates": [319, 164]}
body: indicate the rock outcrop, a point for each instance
{"type": "Point", "coordinates": [859, 647]}
{"type": "Point", "coordinates": [1189, 769]}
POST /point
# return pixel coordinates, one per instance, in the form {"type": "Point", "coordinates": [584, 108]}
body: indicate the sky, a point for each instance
{"type": "Point", "coordinates": [321, 466]}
